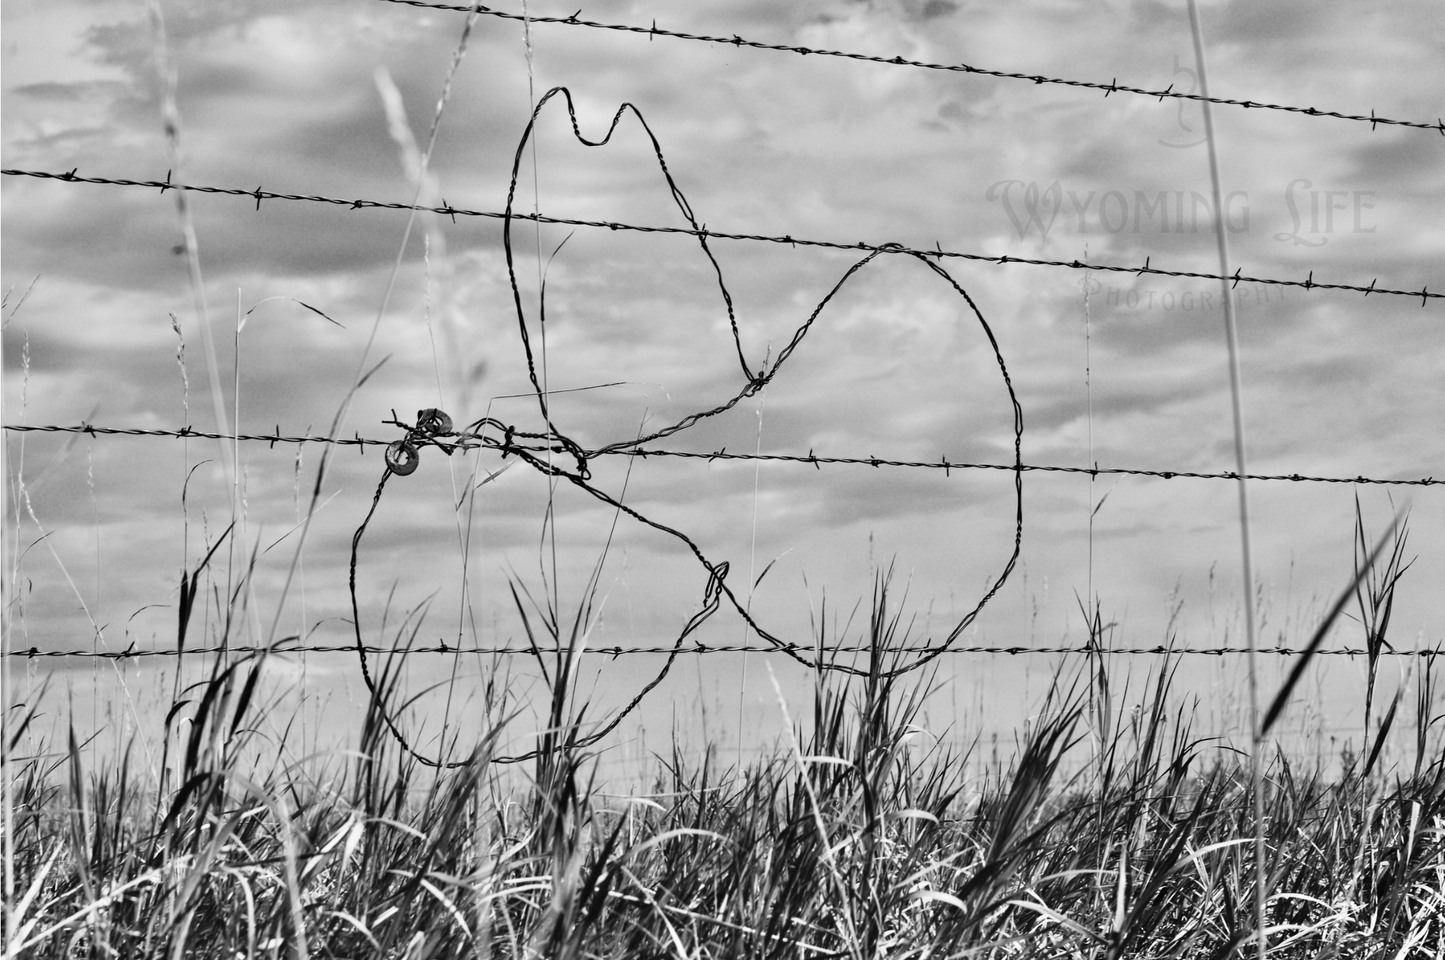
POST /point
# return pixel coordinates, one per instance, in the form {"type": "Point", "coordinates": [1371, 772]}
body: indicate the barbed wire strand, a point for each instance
{"type": "Point", "coordinates": [1111, 87]}
{"type": "Point", "coordinates": [702, 232]}
{"type": "Point", "coordinates": [707, 648]}
{"type": "Point", "coordinates": [812, 459]}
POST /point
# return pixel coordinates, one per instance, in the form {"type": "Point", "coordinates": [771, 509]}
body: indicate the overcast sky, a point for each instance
{"type": "Point", "coordinates": [290, 97]}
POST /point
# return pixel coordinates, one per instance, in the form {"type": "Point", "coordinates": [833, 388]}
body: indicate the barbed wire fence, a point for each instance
{"type": "Point", "coordinates": [702, 233]}
{"type": "Point", "coordinates": [541, 449]}
{"type": "Point", "coordinates": [1113, 86]}
{"type": "Point", "coordinates": [287, 646]}
{"type": "Point", "coordinates": [810, 458]}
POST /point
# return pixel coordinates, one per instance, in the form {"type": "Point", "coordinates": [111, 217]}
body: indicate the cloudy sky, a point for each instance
{"type": "Point", "coordinates": [1118, 369]}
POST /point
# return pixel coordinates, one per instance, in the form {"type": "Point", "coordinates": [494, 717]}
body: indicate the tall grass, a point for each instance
{"type": "Point", "coordinates": [862, 834]}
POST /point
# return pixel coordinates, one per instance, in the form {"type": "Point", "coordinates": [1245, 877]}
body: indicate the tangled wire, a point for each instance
{"type": "Point", "coordinates": [547, 450]}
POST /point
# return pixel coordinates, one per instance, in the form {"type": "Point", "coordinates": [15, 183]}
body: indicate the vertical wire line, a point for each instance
{"type": "Point", "coordinates": [7, 784]}
{"type": "Point", "coordinates": [1237, 409]}
{"type": "Point", "coordinates": [541, 313]}
{"type": "Point", "coordinates": [95, 638]}
{"type": "Point", "coordinates": [752, 564]}
{"type": "Point", "coordinates": [251, 620]}
{"type": "Point", "coordinates": [1089, 607]}
{"type": "Point", "coordinates": [1089, 399]}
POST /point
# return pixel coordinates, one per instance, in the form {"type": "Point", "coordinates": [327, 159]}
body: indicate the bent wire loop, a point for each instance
{"type": "Point", "coordinates": [434, 428]}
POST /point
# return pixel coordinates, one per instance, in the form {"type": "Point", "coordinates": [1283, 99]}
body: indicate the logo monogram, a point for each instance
{"type": "Point", "coordinates": [1039, 207]}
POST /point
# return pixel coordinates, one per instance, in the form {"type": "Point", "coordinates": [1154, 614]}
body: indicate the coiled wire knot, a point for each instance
{"type": "Point", "coordinates": [403, 457]}
{"type": "Point", "coordinates": [433, 422]}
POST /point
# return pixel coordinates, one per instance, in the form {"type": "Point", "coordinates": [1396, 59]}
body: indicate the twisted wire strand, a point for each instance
{"type": "Point", "coordinates": [703, 233]}
{"type": "Point", "coordinates": [699, 648]}
{"type": "Point", "coordinates": [816, 460]}
{"type": "Point", "coordinates": [1112, 86]}
{"type": "Point", "coordinates": [272, 439]}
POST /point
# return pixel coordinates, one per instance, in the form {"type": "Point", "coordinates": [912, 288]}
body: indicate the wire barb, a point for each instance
{"type": "Point", "coordinates": [702, 233]}
{"type": "Point", "coordinates": [698, 647]}
{"type": "Point", "coordinates": [735, 40]}
{"type": "Point", "coordinates": [812, 458]}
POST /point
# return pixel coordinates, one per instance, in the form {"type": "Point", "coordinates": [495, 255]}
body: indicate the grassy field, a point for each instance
{"type": "Point", "coordinates": [862, 837]}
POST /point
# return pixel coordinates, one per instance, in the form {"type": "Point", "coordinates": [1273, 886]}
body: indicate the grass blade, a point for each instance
{"type": "Point", "coordinates": [1282, 698]}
